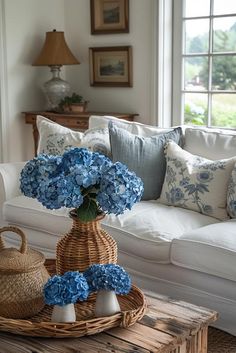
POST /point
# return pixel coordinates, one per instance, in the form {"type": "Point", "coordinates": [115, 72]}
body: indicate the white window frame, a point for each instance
{"type": "Point", "coordinates": [162, 63]}
{"type": "Point", "coordinates": [178, 77]}
{"type": "Point", "coordinates": [177, 84]}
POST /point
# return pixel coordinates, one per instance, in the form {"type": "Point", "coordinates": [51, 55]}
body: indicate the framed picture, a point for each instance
{"type": "Point", "coordinates": [111, 66]}
{"type": "Point", "coordinates": [109, 16]}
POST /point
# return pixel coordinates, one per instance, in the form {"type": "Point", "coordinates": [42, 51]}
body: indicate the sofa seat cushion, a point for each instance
{"type": "Point", "coordinates": [210, 249]}
{"type": "Point", "coordinates": [146, 231]}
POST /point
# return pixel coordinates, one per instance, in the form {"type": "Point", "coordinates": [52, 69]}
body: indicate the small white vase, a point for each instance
{"type": "Point", "coordinates": [106, 303]}
{"type": "Point", "coordinates": [65, 313]}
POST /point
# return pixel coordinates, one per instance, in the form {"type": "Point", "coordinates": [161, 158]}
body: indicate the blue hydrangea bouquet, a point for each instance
{"type": "Point", "coordinates": [87, 181]}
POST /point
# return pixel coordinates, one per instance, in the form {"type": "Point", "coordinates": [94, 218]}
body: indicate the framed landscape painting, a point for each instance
{"type": "Point", "coordinates": [111, 66]}
{"type": "Point", "coordinates": [109, 16]}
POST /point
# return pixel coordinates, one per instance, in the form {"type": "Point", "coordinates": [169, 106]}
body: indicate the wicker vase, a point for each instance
{"type": "Point", "coordinates": [85, 244]}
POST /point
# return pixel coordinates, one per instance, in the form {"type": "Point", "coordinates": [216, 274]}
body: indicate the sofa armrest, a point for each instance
{"type": "Point", "coordinates": [9, 181]}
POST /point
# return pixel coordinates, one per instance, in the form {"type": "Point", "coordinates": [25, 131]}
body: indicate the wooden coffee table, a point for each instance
{"type": "Point", "coordinates": [169, 326]}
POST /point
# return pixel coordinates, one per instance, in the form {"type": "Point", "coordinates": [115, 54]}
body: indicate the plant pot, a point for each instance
{"type": "Point", "coordinates": [106, 304]}
{"type": "Point", "coordinates": [85, 244]}
{"type": "Point", "coordinates": [78, 107]}
{"type": "Point", "coordinates": [75, 107]}
{"type": "Point", "coordinates": [65, 313]}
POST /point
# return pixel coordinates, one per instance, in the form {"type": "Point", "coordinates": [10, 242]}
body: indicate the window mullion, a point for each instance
{"type": "Point", "coordinates": [210, 52]}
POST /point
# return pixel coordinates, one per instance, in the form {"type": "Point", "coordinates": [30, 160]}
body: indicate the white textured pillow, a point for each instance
{"type": "Point", "coordinates": [131, 126]}
{"type": "Point", "coordinates": [55, 139]}
{"type": "Point", "coordinates": [231, 194]}
{"type": "Point", "coordinates": [212, 144]}
{"type": "Point", "coordinates": [196, 183]}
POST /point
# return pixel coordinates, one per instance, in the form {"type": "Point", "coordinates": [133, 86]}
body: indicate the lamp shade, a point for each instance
{"type": "Point", "coordinates": [55, 51]}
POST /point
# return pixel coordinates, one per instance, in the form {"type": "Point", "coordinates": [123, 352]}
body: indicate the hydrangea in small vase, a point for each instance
{"type": "Point", "coordinates": [90, 184]}
{"type": "Point", "coordinates": [63, 292]}
{"type": "Point", "coordinates": [107, 280]}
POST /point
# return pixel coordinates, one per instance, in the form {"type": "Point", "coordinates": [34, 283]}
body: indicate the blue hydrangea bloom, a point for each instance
{"type": "Point", "coordinates": [66, 289]}
{"type": "Point", "coordinates": [79, 177]}
{"type": "Point", "coordinates": [119, 189]}
{"type": "Point", "coordinates": [108, 277]}
{"type": "Point", "coordinates": [36, 171]}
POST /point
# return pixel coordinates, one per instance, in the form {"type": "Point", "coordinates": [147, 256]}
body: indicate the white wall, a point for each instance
{"type": "Point", "coordinates": [27, 21]}
{"type": "Point", "coordinates": [136, 99]}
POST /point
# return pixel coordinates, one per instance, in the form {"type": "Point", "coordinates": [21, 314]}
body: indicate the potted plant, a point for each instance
{"type": "Point", "coordinates": [73, 104]}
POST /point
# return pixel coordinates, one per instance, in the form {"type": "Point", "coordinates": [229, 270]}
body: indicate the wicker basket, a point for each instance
{"type": "Point", "coordinates": [86, 244]}
{"type": "Point", "coordinates": [132, 305]}
{"type": "Point", "coordinates": [22, 277]}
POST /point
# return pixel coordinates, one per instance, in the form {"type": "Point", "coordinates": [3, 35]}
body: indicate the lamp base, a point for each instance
{"type": "Point", "coordinates": [56, 88]}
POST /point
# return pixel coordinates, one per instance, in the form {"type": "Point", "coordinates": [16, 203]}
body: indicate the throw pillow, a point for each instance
{"type": "Point", "coordinates": [196, 183]}
{"type": "Point", "coordinates": [143, 155]}
{"type": "Point", "coordinates": [231, 194]}
{"type": "Point", "coordinates": [55, 139]}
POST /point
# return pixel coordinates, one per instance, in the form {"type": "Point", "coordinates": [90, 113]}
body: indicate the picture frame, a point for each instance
{"type": "Point", "coordinates": [111, 66]}
{"type": "Point", "coordinates": [109, 16]}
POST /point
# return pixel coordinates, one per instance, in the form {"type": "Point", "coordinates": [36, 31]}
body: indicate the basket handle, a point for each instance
{"type": "Point", "coordinates": [18, 231]}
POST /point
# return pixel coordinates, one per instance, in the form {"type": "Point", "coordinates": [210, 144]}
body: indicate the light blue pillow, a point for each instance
{"type": "Point", "coordinates": [143, 155]}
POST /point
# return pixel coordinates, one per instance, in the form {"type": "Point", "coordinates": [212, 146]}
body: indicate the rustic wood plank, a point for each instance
{"type": "Point", "coordinates": [148, 342]}
{"type": "Point", "coordinates": [204, 336]}
{"type": "Point", "coordinates": [136, 339]}
{"type": "Point", "coordinates": [171, 304]}
{"type": "Point", "coordinates": [118, 345]}
{"type": "Point", "coordinates": [18, 344]}
{"type": "Point", "coordinates": [183, 314]}
{"type": "Point", "coordinates": [150, 333]}
{"type": "Point", "coordinates": [165, 323]}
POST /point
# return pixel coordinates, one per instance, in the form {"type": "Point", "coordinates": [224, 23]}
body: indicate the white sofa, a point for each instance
{"type": "Point", "coordinates": [169, 250]}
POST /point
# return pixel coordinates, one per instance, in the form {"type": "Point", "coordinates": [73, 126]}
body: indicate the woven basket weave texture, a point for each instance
{"type": "Point", "coordinates": [22, 277]}
{"type": "Point", "coordinates": [85, 244]}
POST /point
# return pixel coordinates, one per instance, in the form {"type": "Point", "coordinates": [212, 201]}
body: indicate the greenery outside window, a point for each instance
{"type": "Point", "coordinates": [206, 59]}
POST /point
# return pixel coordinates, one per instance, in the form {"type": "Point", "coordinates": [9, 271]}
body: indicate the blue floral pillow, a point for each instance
{"type": "Point", "coordinates": [55, 139]}
{"type": "Point", "coordinates": [231, 195]}
{"type": "Point", "coordinates": [196, 183]}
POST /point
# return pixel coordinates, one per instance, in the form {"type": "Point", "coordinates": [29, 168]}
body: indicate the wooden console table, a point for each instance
{"type": "Point", "coordinates": [74, 121]}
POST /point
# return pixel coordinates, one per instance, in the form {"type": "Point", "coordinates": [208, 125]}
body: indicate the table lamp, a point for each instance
{"type": "Point", "coordinates": [54, 54]}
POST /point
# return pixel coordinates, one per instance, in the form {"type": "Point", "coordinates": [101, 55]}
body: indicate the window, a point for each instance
{"type": "Point", "coordinates": [204, 70]}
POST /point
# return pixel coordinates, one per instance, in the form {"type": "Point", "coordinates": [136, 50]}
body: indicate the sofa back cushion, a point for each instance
{"type": "Point", "coordinates": [211, 144]}
{"type": "Point", "coordinates": [133, 127]}
{"type": "Point", "coordinates": [196, 183]}
{"type": "Point", "coordinates": [143, 155]}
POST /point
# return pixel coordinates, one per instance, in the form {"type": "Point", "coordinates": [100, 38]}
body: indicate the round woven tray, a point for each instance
{"type": "Point", "coordinates": [132, 305]}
